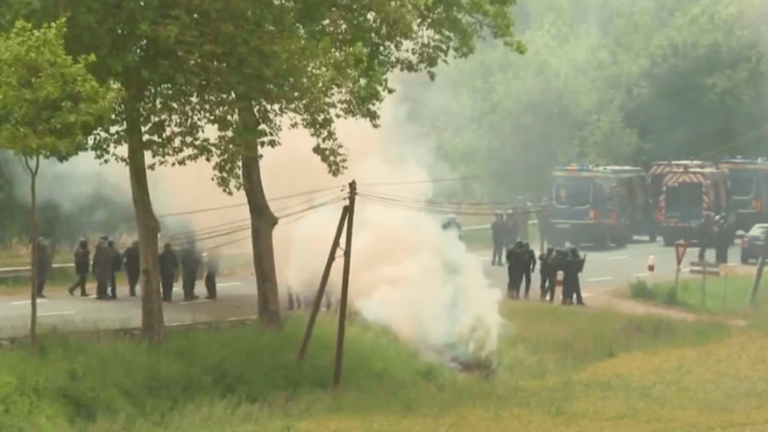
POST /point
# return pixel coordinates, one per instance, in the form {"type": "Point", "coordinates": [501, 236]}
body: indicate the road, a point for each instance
{"type": "Point", "coordinates": [604, 270]}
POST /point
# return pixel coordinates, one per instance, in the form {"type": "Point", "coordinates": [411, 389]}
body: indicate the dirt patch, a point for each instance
{"type": "Point", "coordinates": [618, 301]}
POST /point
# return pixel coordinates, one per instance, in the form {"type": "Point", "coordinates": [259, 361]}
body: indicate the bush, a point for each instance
{"type": "Point", "coordinates": [639, 289]}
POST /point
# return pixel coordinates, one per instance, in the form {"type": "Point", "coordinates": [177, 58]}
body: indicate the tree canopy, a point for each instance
{"type": "Point", "coordinates": [604, 81]}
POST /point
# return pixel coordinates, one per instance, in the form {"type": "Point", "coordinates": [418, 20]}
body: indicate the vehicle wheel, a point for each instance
{"type": "Point", "coordinates": [668, 241]}
{"type": "Point", "coordinates": [601, 242]}
{"type": "Point", "coordinates": [653, 236]}
{"type": "Point", "coordinates": [621, 241]}
{"type": "Point", "coordinates": [744, 259]}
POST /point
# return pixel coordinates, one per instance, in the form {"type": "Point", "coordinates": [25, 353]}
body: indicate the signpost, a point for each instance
{"type": "Point", "coordinates": [680, 248]}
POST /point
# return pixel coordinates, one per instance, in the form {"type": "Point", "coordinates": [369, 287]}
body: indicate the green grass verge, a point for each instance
{"type": "Point", "coordinates": [559, 369]}
{"type": "Point", "coordinates": [720, 295]}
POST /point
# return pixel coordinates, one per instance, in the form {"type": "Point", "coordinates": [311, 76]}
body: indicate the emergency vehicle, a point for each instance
{"type": "Point", "coordinates": [599, 205]}
{"type": "Point", "coordinates": [748, 184]}
{"type": "Point", "coordinates": [686, 195]}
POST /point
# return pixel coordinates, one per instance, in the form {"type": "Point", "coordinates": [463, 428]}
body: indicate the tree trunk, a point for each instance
{"type": "Point", "coordinates": [35, 250]}
{"type": "Point", "coordinates": [152, 325]}
{"type": "Point", "coordinates": [263, 221]}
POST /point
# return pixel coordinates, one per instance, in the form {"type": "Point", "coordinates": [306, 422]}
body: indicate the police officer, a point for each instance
{"type": "Point", "coordinates": [190, 265]}
{"type": "Point", "coordinates": [169, 266]}
{"type": "Point", "coordinates": [707, 230]}
{"type": "Point", "coordinates": [210, 275]}
{"type": "Point", "coordinates": [515, 264]}
{"type": "Point", "coordinates": [82, 262]}
{"type": "Point", "coordinates": [571, 285]}
{"type": "Point", "coordinates": [132, 267]}
{"type": "Point", "coordinates": [545, 272]}
{"type": "Point", "coordinates": [42, 266]}
{"type": "Point", "coordinates": [497, 234]}
{"type": "Point", "coordinates": [529, 266]}
{"type": "Point", "coordinates": [103, 268]}
{"type": "Point", "coordinates": [724, 239]}
{"type": "Point", "coordinates": [452, 223]}
{"type": "Point", "coordinates": [117, 266]}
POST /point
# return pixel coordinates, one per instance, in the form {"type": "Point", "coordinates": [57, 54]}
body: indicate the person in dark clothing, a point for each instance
{"type": "Point", "coordinates": [169, 266]}
{"type": "Point", "coordinates": [529, 266]}
{"type": "Point", "coordinates": [42, 266]}
{"type": "Point", "coordinates": [706, 234]}
{"type": "Point", "coordinates": [210, 275]}
{"type": "Point", "coordinates": [190, 265]}
{"type": "Point", "coordinates": [545, 272]}
{"type": "Point", "coordinates": [573, 266]}
{"type": "Point", "coordinates": [132, 267]}
{"type": "Point", "coordinates": [515, 264]}
{"type": "Point", "coordinates": [723, 239]}
{"type": "Point", "coordinates": [82, 263]}
{"type": "Point", "coordinates": [103, 268]}
{"type": "Point", "coordinates": [117, 266]}
{"type": "Point", "coordinates": [497, 234]}
{"type": "Point", "coordinates": [452, 224]}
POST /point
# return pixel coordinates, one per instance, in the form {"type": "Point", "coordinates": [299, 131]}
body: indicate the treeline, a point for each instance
{"type": "Point", "coordinates": [98, 211]}
{"type": "Point", "coordinates": [603, 81]}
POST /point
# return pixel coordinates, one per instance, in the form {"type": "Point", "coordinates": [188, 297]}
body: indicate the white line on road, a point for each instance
{"type": "Point", "coordinates": [26, 302]}
{"type": "Point", "coordinates": [618, 257]}
{"type": "Point", "coordinates": [56, 313]}
{"type": "Point", "coordinates": [599, 279]}
{"type": "Point", "coordinates": [228, 284]}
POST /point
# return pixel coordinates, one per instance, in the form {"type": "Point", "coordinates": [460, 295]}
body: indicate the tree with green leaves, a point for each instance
{"type": "Point", "coordinates": [307, 64]}
{"type": "Point", "coordinates": [49, 106]}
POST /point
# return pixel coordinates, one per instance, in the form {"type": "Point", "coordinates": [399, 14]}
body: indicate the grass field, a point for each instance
{"type": "Point", "coordinates": [560, 369]}
{"type": "Point", "coordinates": [720, 295]}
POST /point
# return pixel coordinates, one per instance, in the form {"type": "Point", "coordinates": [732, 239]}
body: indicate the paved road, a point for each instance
{"type": "Point", "coordinates": [604, 270]}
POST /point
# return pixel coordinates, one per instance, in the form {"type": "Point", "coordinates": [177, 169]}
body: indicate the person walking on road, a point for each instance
{"type": "Point", "coordinates": [82, 264]}
{"type": "Point", "coordinates": [212, 271]}
{"type": "Point", "coordinates": [132, 267]}
{"type": "Point", "coordinates": [169, 267]}
{"type": "Point", "coordinates": [103, 268]}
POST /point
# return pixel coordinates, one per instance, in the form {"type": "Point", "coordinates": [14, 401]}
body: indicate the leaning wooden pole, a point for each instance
{"type": "Point", "coordinates": [344, 287]}
{"type": "Point", "coordinates": [323, 283]}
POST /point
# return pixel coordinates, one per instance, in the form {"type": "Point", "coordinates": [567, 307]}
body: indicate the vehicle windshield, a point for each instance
{"type": "Point", "coordinates": [758, 231]}
{"type": "Point", "coordinates": [684, 201]}
{"type": "Point", "coordinates": [742, 184]}
{"type": "Point", "coordinates": [572, 192]}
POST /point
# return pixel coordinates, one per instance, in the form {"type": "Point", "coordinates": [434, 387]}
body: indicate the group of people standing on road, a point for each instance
{"type": "Point", "coordinates": [521, 263]}
{"type": "Point", "coordinates": [108, 261]}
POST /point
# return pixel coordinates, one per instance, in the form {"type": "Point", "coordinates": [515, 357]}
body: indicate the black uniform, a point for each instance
{"type": "Point", "coordinates": [190, 265]}
{"type": "Point", "coordinates": [210, 277]}
{"type": "Point", "coordinates": [529, 266]}
{"type": "Point", "coordinates": [571, 285]}
{"type": "Point", "coordinates": [706, 235]}
{"type": "Point", "coordinates": [723, 240]}
{"type": "Point", "coordinates": [515, 264]}
{"type": "Point", "coordinates": [545, 266]}
{"type": "Point", "coordinates": [497, 231]}
{"type": "Point", "coordinates": [169, 265]}
{"type": "Point", "coordinates": [132, 267]}
{"type": "Point", "coordinates": [82, 262]}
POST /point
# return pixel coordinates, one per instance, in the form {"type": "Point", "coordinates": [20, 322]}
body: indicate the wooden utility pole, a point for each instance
{"type": "Point", "coordinates": [323, 283]}
{"type": "Point", "coordinates": [344, 287]}
{"type": "Point", "coordinates": [759, 273]}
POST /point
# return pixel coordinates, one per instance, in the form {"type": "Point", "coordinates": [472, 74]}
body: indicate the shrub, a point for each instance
{"type": "Point", "coordinates": [639, 289]}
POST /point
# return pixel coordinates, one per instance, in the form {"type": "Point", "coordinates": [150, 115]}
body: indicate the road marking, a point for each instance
{"type": "Point", "coordinates": [26, 302]}
{"type": "Point", "coordinates": [618, 257]}
{"type": "Point", "coordinates": [599, 279]}
{"type": "Point", "coordinates": [229, 284]}
{"type": "Point", "coordinates": [56, 313]}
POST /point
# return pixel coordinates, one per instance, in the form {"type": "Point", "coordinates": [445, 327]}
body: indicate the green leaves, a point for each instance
{"type": "Point", "coordinates": [49, 103]}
